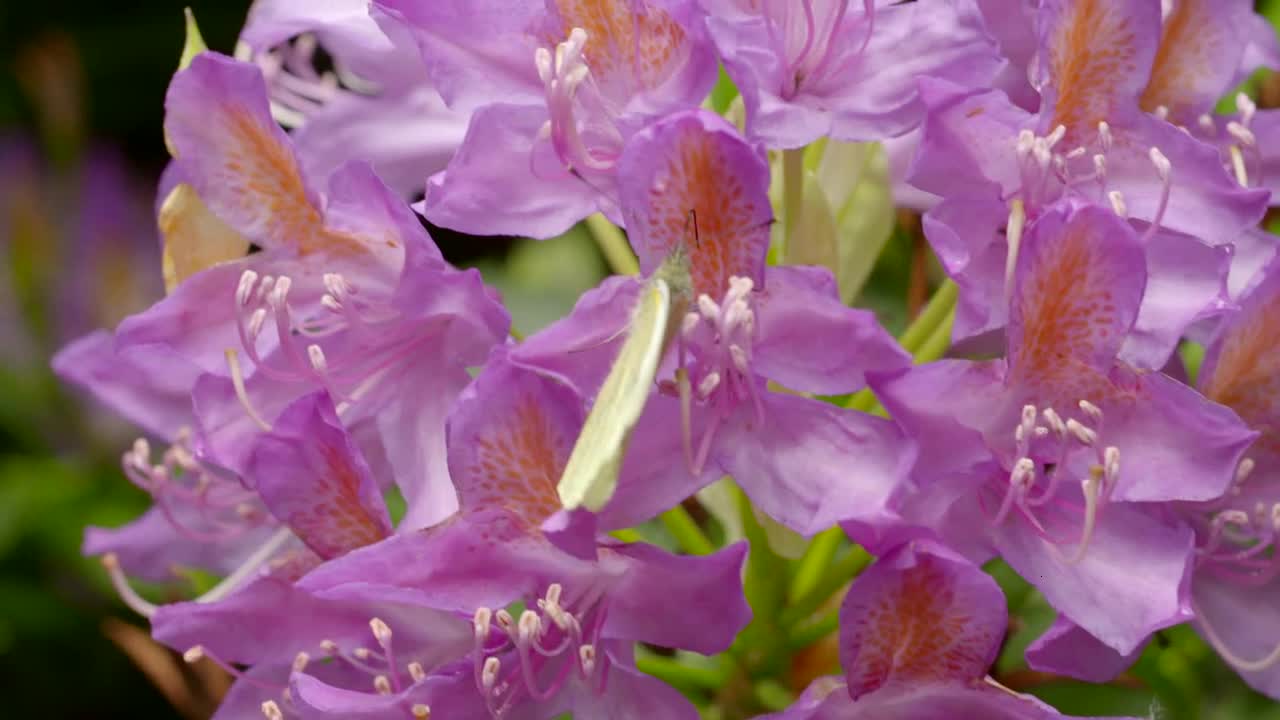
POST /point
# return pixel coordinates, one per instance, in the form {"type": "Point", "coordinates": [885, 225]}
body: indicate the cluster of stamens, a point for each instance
{"type": "Point", "coordinates": [1237, 544]}
{"type": "Point", "coordinates": [1239, 140]}
{"type": "Point", "coordinates": [511, 654]}
{"type": "Point", "coordinates": [580, 127]}
{"type": "Point", "coordinates": [264, 299]}
{"type": "Point", "coordinates": [201, 505]}
{"type": "Point", "coordinates": [719, 336]}
{"type": "Point", "coordinates": [1046, 171]}
{"type": "Point", "coordinates": [1032, 489]}
{"type": "Point", "coordinates": [381, 664]}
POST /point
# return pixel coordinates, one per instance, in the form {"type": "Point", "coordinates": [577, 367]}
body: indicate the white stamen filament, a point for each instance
{"type": "Point", "coordinates": [1242, 134]}
{"type": "Point", "coordinates": [1081, 432]}
{"type": "Point", "coordinates": [244, 291]}
{"type": "Point", "coordinates": [1246, 107]}
{"type": "Point", "coordinates": [316, 355]}
{"type": "Point", "coordinates": [126, 592]}
{"type": "Point", "coordinates": [1117, 203]}
{"type": "Point", "coordinates": [1013, 235]}
{"type": "Point", "coordinates": [489, 675]}
{"type": "Point", "coordinates": [271, 711]}
{"type": "Point", "coordinates": [237, 382]}
{"type": "Point", "coordinates": [1238, 166]}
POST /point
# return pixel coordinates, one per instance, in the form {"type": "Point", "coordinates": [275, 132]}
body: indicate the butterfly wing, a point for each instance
{"type": "Point", "coordinates": [591, 474]}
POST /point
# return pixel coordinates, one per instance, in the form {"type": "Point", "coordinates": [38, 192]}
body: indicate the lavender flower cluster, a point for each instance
{"type": "Point", "coordinates": [315, 352]}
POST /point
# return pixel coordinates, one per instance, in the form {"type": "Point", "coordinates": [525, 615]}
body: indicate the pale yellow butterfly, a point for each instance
{"type": "Point", "coordinates": [591, 474]}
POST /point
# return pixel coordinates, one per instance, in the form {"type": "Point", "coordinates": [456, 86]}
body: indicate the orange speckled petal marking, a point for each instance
{"type": "Point", "coordinates": [1099, 55]}
{"type": "Point", "coordinates": [919, 615]}
{"type": "Point", "coordinates": [1078, 283]}
{"type": "Point", "coordinates": [1200, 49]}
{"type": "Point", "coordinates": [692, 181]}
{"type": "Point", "coordinates": [1242, 368]}
{"type": "Point", "coordinates": [228, 147]}
{"type": "Point", "coordinates": [311, 475]}
{"type": "Point", "coordinates": [510, 435]}
{"type": "Point", "coordinates": [631, 46]}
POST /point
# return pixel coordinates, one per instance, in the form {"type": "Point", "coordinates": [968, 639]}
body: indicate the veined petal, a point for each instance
{"type": "Point", "coordinates": [510, 435]}
{"type": "Point", "coordinates": [240, 162]}
{"type": "Point", "coordinates": [684, 601]}
{"type": "Point", "coordinates": [476, 52]}
{"type": "Point", "coordinates": [1097, 57]}
{"type": "Point", "coordinates": [919, 615]}
{"type": "Point", "coordinates": [1242, 367]}
{"type": "Point", "coordinates": [313, 478]}
{"type": "Point", "coordinates": [691, 181]}
{"type": "Point", "coordinates": [1202, 44]}
{"type": "Point", "coordinates": [1079, 280]}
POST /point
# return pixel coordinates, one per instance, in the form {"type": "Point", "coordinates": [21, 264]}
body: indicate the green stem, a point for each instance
{"type": "Point", "coordinates": [686, 532]}
{"type": "Point", "coordinates": [613, 245]}
{"type": "Point", "coordinates": [814, 562]}
{"type": "Point", "coordinates": [679, 674]}
{"type": "Point", "coordinates": [942, 303]}
{"type": "Point", "coordinates": [845, 568]}
{"type": "Point", "coordinates": [809, 633]}
{"type": "Point", "coordinates": [792, 191]}
{"type": "Point", "coordinates": [626, 535]}
{"type": "Point", "coordinates": [936, 346]}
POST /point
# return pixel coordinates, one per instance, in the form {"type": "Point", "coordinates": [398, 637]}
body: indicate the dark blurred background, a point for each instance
{"type": "Point", "coordinates": [81, 93]}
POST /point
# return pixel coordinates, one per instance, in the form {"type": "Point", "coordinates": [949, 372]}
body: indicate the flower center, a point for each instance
{"type": "Point", "coordinates": [716, 371]}
{"type": "Point", "coordinates": [1038, 493]}
{"type": "Point", "coordinates": [361, 333]}
{"type": "Point", "coordinates": [1047, 171]}
{"type": "Point", "coordinates": [581, 127]}
{"type": "Point", "coordinates": [535, 655]}
{"type": "Point", "coordinates": [201, 505]}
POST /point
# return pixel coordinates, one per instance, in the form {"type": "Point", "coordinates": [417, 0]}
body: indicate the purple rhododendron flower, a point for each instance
{"type": "Point", "coordinates": [556, 88]}
{"type": "Point", "coordinates": [1058, 457]}
{"type": "Point", "coordinates": [691, 182]}
{"type": "Point", "coordinates": [354, 440]}
{"type": "Point", "coordinates": [1236, 574]}
{"type": "Point", "coordinates": [1091, 140]}
{"type": "Point", "coordinates": [917, 633]}
{"type": "Point", "coordinates": [843, 68]}
{"type": "Point", "coordinates": [347, 286]}
{"type": "Point", "coordinates": [568, 650]}
{"type": "Point", "coordinates": [377, 104]}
